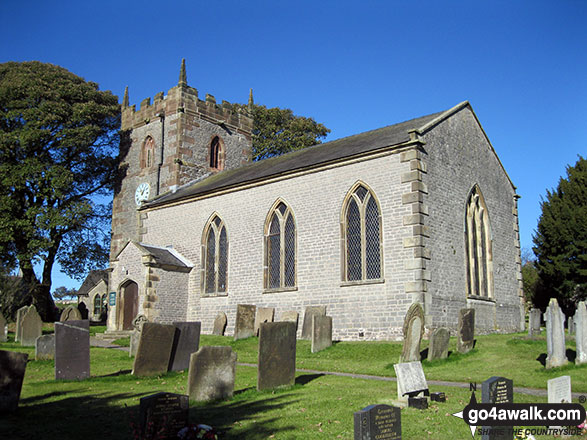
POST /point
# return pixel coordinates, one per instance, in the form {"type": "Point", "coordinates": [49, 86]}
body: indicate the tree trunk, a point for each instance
{"type": "Point", "coordinates": [43, 301]}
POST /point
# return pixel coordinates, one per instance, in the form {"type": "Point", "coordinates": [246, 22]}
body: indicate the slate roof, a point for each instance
{"type": "Point", "coordinates": [91, 281]}
{"type": "Point", "coordinates": [320, 154]}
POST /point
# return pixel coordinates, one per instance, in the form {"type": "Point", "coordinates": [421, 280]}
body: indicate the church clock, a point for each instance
{"type": "Point", "coordinates": [142, 193]}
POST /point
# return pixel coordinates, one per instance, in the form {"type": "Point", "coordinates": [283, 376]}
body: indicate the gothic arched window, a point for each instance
{"type": "Point", "coordinates": [97, 304]}
{"type": "Point", "coordinates": [214, 257]}
{"type": "Point", "coordinates": [148, 153]}
{"type": "Point", "coordinates": [479, 258]}
{"type": "Point", "coordinates": [361, 241]}
{"type": "Point", "coordinates": [216, 154]}
{"type": "Point", "coordinates": [280, 248]}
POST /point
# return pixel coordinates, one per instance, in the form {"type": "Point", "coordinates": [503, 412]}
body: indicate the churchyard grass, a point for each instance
{"type": "Point", "coordinates": [317, 407]}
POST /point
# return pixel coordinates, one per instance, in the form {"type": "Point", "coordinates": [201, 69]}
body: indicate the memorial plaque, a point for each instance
{"type": "Point", "coordinates": [264, 314]}
{"type": "Point", "coordinates": [466, 330]}
{"type": "Point", "coordinates": [378, 422]}
{"type": "Point", "coordinates": [581, 336]}
{"type": "Point", "coordinates": [321, 332]}
{"type": "Point", "coordinates": [245, 321]}
{"type": "Point", "coordinates": [212, 372]}
{"type": "Point", "coordinates": [12, 369]}
{"type": "Point", "coordinates": [154, 351]}
{"type": "Point", "coordinates": [112, 299]}
{"type": "Point", "coordinates": [72, 350]}
{"type": "Point", "coordinates": [497, 390]}
{"type": "Point", "coordinates": [413, 330]}
{"type": "Point", "coordinates": [307, 324]}
{"type": "Point", "coordinates": [438, 348]}
{"type": "Point", "coordinates": [555, 335]}
{"type": "Point", "coordinates": [410, 380]}
{"type": "Point", "coordinates": [418, 402]}
{"type": "Point", "coordinates": [186, 342]}
{"type": "Point", "coordinates": [70, 313]}
{"type": "Point", "coordinates": [19, 315]}
{"type": "Point", "coordinates": [163, 415]}
{"type": "Point", "coordinates": [438, 397]}
{"type": "Point", "coordinates": [45, 347]}
{"type": "Point", "coordinates": [3, 334]}
{"type": "Point", "coordinates": [559, 390]}
{"type": "Point", "coordinates": [31, 328]}
{"type": "Point", "coordinates": [277, 355]}
{"type": "Point", "coordinates": [220, 324]}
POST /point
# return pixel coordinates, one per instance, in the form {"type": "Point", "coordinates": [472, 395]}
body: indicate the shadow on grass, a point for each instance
{"type": "Point", "coordinates": [570, 353]}
{"type": "Point", "coordinates": [117, 373]}
{"type": "Point", "coordinates": [306, 378]}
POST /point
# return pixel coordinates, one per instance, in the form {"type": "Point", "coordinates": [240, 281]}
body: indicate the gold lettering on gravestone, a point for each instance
{"type": "Point", "coordinates": [385, 422]}
{"type": "Point", "coordinates": [501, 393]}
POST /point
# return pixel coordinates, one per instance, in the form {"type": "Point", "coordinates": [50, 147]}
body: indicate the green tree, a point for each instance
{"type": "Point", "coordinates": [278, 131]}
{"type": "Point", "coordinates": [63, 292]}
{"type": "Point", "coordinates": [529, 276]}
{"type": "Point", "coordinates": [560, 242]}
{"type": "Point", "coordinates": [58, 153]}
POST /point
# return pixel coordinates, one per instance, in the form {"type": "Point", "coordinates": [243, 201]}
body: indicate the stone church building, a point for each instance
{"type": "Point", "coordinates": [420, 211]}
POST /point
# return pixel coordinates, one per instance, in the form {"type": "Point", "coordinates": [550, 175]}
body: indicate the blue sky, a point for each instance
{"type": "Point", "coordinates": [353, 66]}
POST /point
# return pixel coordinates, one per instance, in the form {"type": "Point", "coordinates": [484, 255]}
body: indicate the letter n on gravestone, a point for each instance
{"type": "Point", "coordinates": [212, 372]}
{"type": "Point", "coordinates": [163, 415]}
{"type": "Point", "coordinates": [245, 321]}
{"type": "Point", "coordinates": [378, 422]}
{"type": "Point", "coordinates": [186, 342]}
{"type": "Point", "coordinates": [154, 349]}
{"type": "Point", "coordinates": [12, 369]}
{"type": "Point", "coordinates": [497, 390]}
{"type": "Point", "coordinates": [277, 355]}
{"type": "Point", "coordinates": [72, 350]}
{"type": "Point", "coordinates": [307, 324]}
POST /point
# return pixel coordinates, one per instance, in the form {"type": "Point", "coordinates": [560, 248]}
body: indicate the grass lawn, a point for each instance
{"type": "Point", "coordinates": [317, 407]}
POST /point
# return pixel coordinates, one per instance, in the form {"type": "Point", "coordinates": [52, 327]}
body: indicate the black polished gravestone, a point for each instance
{"type": "Point", "coordinates": [186, 342]}
{"type": "Point", "coordinates": [381, 422]}
{"type": "Point", "coordinates": [497, 390]}
{"type": "Point", "coordinates": [163, 415]}
{"type": "Point", "coordinates": [72, 350]}
{"type": "Point", "coordinates": [12, 369]}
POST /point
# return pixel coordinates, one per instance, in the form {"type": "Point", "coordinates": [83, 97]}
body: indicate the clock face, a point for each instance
{"type": "Point", "coordinates": [142, 193]}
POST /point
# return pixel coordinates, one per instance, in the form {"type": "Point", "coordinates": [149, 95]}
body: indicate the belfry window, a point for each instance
{"type": "Point", "coordinates": [148, 153]}
{"type": "Point", "coordinates": [214, 257]}
{"type": "Point", "coordinates": [280, 248]}
{"type": "Point", "coordinates": [216, 153]}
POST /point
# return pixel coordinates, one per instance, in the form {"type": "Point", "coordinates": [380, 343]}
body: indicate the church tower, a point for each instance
{"type": "Point", "coordinates": [176, 139]}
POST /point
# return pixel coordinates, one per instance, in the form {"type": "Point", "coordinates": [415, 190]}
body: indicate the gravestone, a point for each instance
{"type": "Point", "coordinates": [70, 313]}
{"type": "Point", "coordinates": [154, 351]}
{"type": "Point", "coordinates": [244, 326]}
{"type": "Point", "coordinates": [411, 381]}
{"type": "Point", "coordinates": [439, 340]}
{"type": "Point", "coordinates": [83, 311]}
{"type": "Point", "coordinates": [45, 347]}
{"type": "Point", "coordinates": [264, 314]}
{"type": "Point", "coordinates": [381, 422]}
{"type": "Point", "coordinates": [497, 390]}
{"type": "Point", "coordinates": [135, 336]}
{"type": "Point", "coordinates": [559, 390]}
{"type": "Point", "coordinates": [555, 335]}
{"type": "Point", "coordinates": [138, 322]}
{"type": "Point", "coordinates": [163, 415]}
{"type": "Point", "coordinates": [19, 315]}
{"type": "Point", "coordinates": [307, 324]}
{"type": "Point", "coordinates": [211, 374]}
{"type": "Point", "coordinates": [290, 316]}
{"type": "Point", "coordinates": [31, 328]}
{"type": "Point", "coordinates": [12, 369]}
{"type": "Point", "coordinates": [220, 324]}
{"type": "Point", "coordinates": [570, 325]}
{"type": "Point", "coordinates": [186, 342]}
{"type": "Point", "coordinates": [413, 331]}
{"type": "Point", "coordinates": [581, 336]}
{"type": "Point", "coordinates": [3, 335]}
{"type": "Point", "coordinates": [321, 332]}
{"type": "Point", "coordinates": [466, 330]}
{"type": "Point", "coordinates": [72, 350]}
{"type": "Point", "coordinates": [277, 355]}
{"type": "Point", "coordinates": [534, 324]}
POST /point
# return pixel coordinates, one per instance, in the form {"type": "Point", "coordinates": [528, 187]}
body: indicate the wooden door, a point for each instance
{"type": "Point", "coordinates": [130, 304]}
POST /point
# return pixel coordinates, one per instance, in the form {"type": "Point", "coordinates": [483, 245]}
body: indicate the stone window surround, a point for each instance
{"type": "Point", "coordinates": [210, 224]}
{"type": "Point", "coordinates": [219, 153]}
{"type": "Point", "coordinates": [147, 159]}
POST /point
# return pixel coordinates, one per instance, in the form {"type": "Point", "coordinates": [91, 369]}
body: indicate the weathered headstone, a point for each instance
{"type": "Point", "coordinates": [290, 316]}
{"type": "Point", "coordinates": [411, 381]}
{"type": "Point", "coordinates": [555, 335]}
{"type": "Point", "coordinates": [186, 342]}
{"type": "Point", "coordinates": [413, 332]}
{"type": "Point", "coordinates": [321, 332]}
{"type": "Point", "coordinates": [264, 314]}
{"type": "Point", "coordinates": [19, 315]}
{"type": "Point", "coordinates": [559, 390]}
{"type": "Point", "coordinates": [220, 324]}
{"type": "Point", "coordinates": [70, 313]}
{"type": "Point", "coordinates": [534, 324]}
{"type": "Point", "coordinates": [32, 327]}
{"type": "Point", "coordinates": [212, 372]}
{"type": "Point", "coordinates": [83, 310]}
{"type": "Point", "coordinates": [570, 325]}
{"type": "Point", "coordinates": [307, 324]}
{"type": "Point", "coordinates": [3, 335]}
{"type": "Point", "coordinates": [277, 355]}
{"type": "Point", "coordinates": [581, 336]}
{"type": "Point", "coordinates": [12, 369]}
{"type": "Point", "coordinates": [244, 326]}
{"type": "Point", "coordinates": [381, 422]}
{"type": "Point", "coordinates": [163, 415]}
{"type": "Point", "coordinates": [438, 347]}
{"type": "Point", "coordinates": [45, 347]}
{"type": "Point", "coordinates": [497, 390]}
{"type": "Point", "coordinates": [466, 330]}
{"type": "Point", "coordinates": [72, 350]}
{"type": "Point", "coordinates": [154, 350]}
{"type": "Point", "coordinates": [135, 337]}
